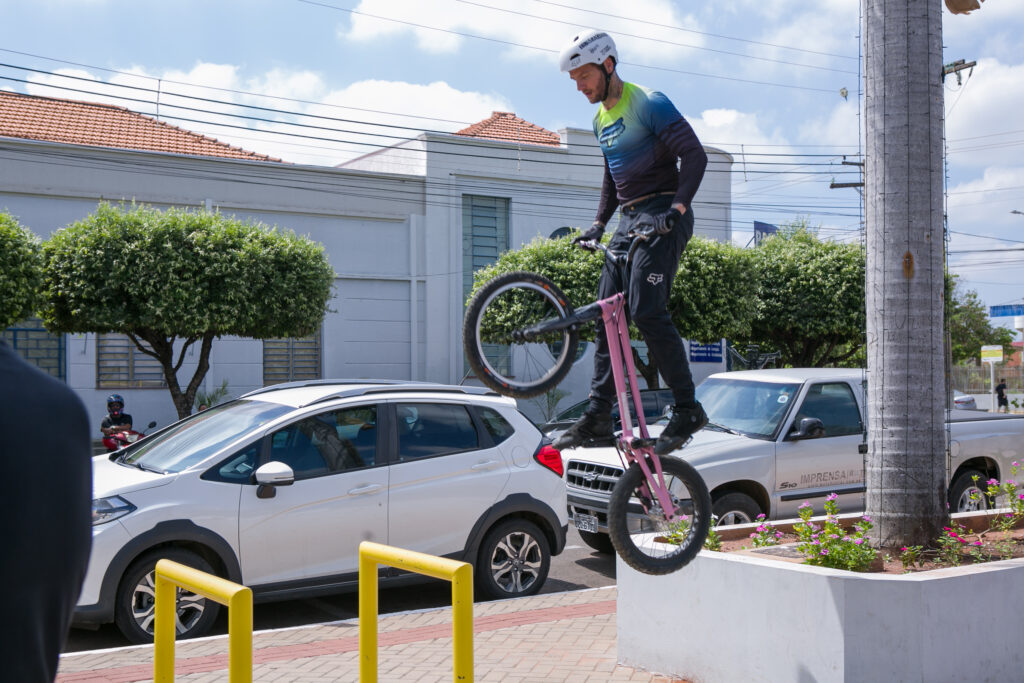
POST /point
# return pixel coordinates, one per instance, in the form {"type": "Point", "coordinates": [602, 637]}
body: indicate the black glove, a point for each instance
{"type": "Point", "coordinates": [658, 224]}
{"type": "Point", "coordinates": [593, 234]}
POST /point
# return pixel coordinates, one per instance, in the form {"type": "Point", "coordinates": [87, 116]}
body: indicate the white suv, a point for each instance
{"type": "Point", "coordinates": [277, 489]}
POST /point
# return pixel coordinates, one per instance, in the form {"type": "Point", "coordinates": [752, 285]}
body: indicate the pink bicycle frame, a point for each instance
{"type": "Point", "coordinates": [613, 313]}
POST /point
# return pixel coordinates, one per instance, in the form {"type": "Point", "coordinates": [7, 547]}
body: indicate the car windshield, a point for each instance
{"type": "Point", "coordinates": [750, 407]}
{"type": "Point", "coordinates": [198, 436]}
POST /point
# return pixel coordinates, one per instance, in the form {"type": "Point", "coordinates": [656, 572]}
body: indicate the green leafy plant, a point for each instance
{"type": "Point", "coordinates": [21, 274]}
{"type": "Point", "coordinates": [830, 545]}
{"type": "Point", "coordinates": [212, 398]}
{"type": "Point", "coordinates": [766, 534]}
{"type": "Point", "coordinates": [714, 540]}
{"type": "Point", "coordinates": [910, 556]}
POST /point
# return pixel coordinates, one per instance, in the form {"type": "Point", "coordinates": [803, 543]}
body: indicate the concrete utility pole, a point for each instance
{"type": "Point", "coordinates": [906, 463]}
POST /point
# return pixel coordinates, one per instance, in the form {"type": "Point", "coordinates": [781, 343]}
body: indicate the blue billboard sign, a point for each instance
{"type": "Point", "coordinates": [706, 353]}
{"type": "Point", "coordinates": [1005, 311]}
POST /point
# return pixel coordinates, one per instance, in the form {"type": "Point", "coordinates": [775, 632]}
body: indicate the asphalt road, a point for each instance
{"type": "Point", "coordinates": [578, 567]}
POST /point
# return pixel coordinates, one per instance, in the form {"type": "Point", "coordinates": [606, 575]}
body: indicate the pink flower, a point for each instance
{"type": "Point", "coordinates": [761, 528]}
{"type": "Point", "coordinates": [858, 541]}
{"type": "Point", "coordinates": [754, 535]}
{"type": "Point", "coordinates": [832, 496]}
{"type": "Point", "coordinates": [903, 549]}
{"type": "Point", "coordinates": [824, 551]}
{"type": "Point", "coordinates": [1020, 497]}
{"type": "Point", "coordinates": [805, 504]}
{"type": "Point", "coordinates": [978, 543]}
{"type": "Point", "coordinates": [993, 482]}
{"type": "Point", "coordinates": [866, 518]}
{"type": "Point", "coordinates": [760, 516]}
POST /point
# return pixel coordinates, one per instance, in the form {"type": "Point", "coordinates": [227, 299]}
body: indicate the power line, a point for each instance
{"type": "Point", "coordinates": [658, 40]}
{"type": "Point", "coordinates": [544, 49]}
{"type": "Point", "coordinates": [703, 33]}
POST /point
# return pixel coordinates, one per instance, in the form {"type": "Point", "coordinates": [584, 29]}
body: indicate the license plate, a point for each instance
{"type": "Point", "coordinates": [585, 523]}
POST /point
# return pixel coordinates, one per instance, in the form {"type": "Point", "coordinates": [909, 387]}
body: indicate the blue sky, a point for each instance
{"type": "Point", "coordinates": [758, 78]}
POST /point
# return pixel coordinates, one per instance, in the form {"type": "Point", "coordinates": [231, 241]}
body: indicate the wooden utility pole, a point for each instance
{"type": "Point", "coordinates": [906, 463]}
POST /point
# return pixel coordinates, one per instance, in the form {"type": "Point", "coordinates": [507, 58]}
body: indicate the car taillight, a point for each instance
{"type": "Point", "coordinates": [550, 457]}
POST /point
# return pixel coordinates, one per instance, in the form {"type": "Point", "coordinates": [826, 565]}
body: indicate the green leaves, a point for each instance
{"type": "Point", "coordinates": [20, 271]}
{"type": "Point", "coordinates": [183, 273]}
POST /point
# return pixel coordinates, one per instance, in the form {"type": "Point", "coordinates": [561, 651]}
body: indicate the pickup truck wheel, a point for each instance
{"type": "Point", "coordinates": [598, 541]}
{"type": "Point", "coordinates": [967, 496]}
{"type": "Point", "coordinates": [735, 508]}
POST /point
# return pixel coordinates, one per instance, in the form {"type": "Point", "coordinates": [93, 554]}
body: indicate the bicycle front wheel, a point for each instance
{"type": "Point", "coordinates": [637, 524]}
{"type": "Point", "coordinates": [516, 336]}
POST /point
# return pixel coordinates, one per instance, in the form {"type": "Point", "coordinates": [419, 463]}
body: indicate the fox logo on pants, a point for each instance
{"type": "Point", "coordinates": [655, 278]}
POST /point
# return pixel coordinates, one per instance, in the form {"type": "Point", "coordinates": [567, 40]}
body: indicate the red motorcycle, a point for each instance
{"type": "Point", "coordinates": [125, 437]}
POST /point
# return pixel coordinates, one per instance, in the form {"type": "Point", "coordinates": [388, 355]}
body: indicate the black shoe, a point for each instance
{"type": "Point", "coordinates": [685, 422]}
{"type": "Point", "coordinates": [591, 427]}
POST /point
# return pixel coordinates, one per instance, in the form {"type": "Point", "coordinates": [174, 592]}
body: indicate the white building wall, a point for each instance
{"type": "Point", "coordinates": [391, 223]}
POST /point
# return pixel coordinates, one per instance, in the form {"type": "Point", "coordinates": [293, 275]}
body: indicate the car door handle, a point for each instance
{"type": "Point", "coordinates": [485, 465]}
{"type": "Point", "coordinates": [363, 490]}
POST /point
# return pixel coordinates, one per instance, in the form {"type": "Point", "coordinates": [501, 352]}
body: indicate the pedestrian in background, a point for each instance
{"type": "Point", "coordinates": [1003, 405]}
{"type": "Point", "coordinates": [45, 455]}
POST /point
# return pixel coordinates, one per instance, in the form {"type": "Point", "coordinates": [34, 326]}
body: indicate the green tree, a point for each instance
{"type": "Point", "coordinates": [713, 294]}
{"type": "Point", "coordinates": [969, 325]}
{"type": "Point", "coordinates": [811, 299]}
{"type": "Point", "coordinates": [171, 279]}
{"type": "Point", "coordinates": [21, 273]}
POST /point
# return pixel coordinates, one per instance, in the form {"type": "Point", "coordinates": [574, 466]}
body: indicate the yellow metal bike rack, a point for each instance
{"type": "Point", "coordinates": [238, 600]}
{"type": "Point", "coordinates": [459, 573]}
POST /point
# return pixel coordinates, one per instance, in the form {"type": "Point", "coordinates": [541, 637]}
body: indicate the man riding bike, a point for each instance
{"type": "Point", "coordinates": [115, 420]}
{"type": "Point", "coordinates": [642, 136]}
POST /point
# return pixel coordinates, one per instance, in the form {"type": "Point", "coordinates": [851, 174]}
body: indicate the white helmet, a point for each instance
{"type": "Point", "coordinates": [587, 47]}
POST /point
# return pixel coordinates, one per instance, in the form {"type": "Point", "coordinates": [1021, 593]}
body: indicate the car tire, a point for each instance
{"type": "Point", "coordinates": [602, 543]}
{"type": "Point", "coordinates": [735, 508]}
{"type": "Point", "coordinates": [960, 492]}
{"type": "Point", "coordinates": [513, 561]}
{"type": "Point", "coordinates": [134, 611]}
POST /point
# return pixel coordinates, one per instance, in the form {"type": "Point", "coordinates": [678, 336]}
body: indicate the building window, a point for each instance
{"type": "Point", "coordinates": [290, 360]}
{"type": "Point", "coordinates": [31, 341]}
{"type": "Point", "coordinates": [484, 238]}
{"type": "Point", "coordinates": [121, 365]}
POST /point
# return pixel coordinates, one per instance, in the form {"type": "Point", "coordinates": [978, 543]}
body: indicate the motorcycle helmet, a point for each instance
{"type": "Point", "coordinates": [587, 47]}
{"type": "Point", "coordinates": [112, 399]}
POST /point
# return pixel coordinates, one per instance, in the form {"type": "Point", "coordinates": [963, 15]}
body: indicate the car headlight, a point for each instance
{"type": "Point", "coordinates": [108, 509]}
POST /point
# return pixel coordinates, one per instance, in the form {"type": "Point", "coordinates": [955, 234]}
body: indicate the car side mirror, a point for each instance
{"type": "Point", "coordinates": [808, 428]}
{"type": "Point", "coordinates": [271, 475]}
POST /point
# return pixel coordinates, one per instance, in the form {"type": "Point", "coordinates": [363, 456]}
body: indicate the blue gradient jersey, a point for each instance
{"type": "Point", "coordinates": [642, 137]}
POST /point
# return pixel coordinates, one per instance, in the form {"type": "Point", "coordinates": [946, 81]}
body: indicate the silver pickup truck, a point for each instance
{"type": "Point", "coordinates": [777, 438]}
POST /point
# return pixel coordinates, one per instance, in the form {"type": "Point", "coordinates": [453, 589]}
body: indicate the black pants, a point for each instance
{"type": "Point", "coordinates": [654, 267]}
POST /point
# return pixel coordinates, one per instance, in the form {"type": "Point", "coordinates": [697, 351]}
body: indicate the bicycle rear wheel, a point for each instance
{"type": "Point", "coordinates": [514, 336]}
{"type": "Point", "coordinates": [642, 535]}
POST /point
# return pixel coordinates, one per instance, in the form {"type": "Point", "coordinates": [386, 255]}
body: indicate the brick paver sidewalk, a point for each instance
{"type": "Point", "coordinates": [555, 637]}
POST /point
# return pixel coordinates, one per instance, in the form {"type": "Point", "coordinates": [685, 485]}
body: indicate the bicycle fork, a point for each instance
{"type": "Point", "coordinates": [613, 314]}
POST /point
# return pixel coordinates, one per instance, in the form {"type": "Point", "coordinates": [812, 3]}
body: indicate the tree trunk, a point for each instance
{"type": "Point", "coordinates": [648, 370]}
{"type": "Point", "coordinates": [162, 348]}
{"type": "Point", "coordinates": [906, 463]}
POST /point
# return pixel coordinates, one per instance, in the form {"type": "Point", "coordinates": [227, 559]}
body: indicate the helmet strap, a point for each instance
{"type": "Point", "coordinates": [607, 81]}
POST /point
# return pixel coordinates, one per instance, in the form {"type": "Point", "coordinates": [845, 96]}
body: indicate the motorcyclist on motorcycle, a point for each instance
{"type": "Point", "coordinates": [116, 419]}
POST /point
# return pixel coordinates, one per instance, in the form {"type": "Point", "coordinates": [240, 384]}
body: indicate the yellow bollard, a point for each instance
{"type": "Point", "coordinates": [238, 599]}
{"type": "Point", "coordinates": [459, 573]}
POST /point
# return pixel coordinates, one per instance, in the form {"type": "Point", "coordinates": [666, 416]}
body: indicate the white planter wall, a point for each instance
{"type": "Point", "coordinates": [729, 617]}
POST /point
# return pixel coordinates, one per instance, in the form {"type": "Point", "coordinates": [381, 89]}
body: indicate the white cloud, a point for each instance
{"type": "Point", "coordinates": [534, 25]}
{"type": "Point", "coordinates": [983, 128]}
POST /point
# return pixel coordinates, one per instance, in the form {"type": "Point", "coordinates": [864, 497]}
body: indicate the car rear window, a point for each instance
{"type": "Point", "coordinates": [497, 426]}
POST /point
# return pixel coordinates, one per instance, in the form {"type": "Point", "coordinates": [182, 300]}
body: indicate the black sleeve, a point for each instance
{"type": "Point", "coordinates": [679, 137]}
{"type": "Point", "coordinates": [609, 197]}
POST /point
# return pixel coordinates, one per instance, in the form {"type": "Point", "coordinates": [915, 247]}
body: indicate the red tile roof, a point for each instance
{"type": "Point", "coordinates": [504, 125]}
{"type": "Point", "coordinates": [104, 125]}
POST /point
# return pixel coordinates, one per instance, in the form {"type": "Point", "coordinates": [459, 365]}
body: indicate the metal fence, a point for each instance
{"type": "Point", "coordinates": [972, 379]}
